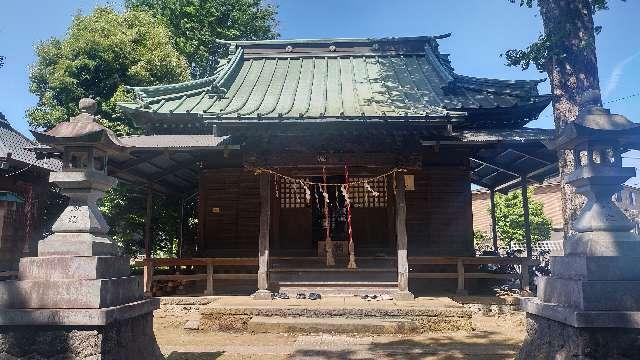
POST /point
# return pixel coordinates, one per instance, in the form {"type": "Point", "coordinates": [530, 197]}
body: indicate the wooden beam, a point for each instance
{"type": "Point", "coordinates": [401, 239]}
{"type": "Point", "coordinates": [494, 227]}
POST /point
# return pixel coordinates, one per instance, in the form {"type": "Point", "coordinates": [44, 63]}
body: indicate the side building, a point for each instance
{"type": "Point", "coordinates": [24, 192]}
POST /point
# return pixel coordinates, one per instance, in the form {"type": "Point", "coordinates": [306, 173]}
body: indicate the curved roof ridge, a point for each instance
{"type": "Point", "coordinates": [333, 40]}
{"type": "Point", "coordinates": [147, 93]}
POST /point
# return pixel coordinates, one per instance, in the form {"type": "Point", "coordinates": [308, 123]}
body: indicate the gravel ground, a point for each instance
{"type": "Point", "coordinates": [494, 337]}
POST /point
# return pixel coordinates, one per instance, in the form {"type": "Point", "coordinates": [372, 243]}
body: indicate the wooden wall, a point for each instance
{"type": "Point", "coordinates": [230, 213]}
{"type": "Point", "coordinates": [439, 218]}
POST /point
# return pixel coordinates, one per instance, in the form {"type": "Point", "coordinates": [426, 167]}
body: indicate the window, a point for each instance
{"type": "Point", "coordinates": [292, 194]}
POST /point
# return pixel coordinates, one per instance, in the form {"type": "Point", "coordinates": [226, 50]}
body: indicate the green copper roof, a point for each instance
{"type": "Point", "coordinates": [337, 79]}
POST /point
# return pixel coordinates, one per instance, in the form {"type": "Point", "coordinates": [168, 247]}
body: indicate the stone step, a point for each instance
{"type": "Point", "coordinates": [272, 324]}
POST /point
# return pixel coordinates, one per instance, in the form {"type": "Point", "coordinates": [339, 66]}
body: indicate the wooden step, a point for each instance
{"type": "Point", "coordinates": [309, 269]}
{"type": "Point", "coordinates": [339, 283]}
{"type": "Point", "coordinates": [263, 324]}
{"type": "Point", "coordinates": [338, 288]}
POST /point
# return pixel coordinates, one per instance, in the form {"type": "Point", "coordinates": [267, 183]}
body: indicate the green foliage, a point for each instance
{"type": "Point", "coordinates": [481, 239]}
{"type": "Point", "coordinates": [197, 24]}
{"type": "Point", "coordinates": [125, 207]}
{"type": "Point", "coordinates": [1, 61]}
{"type": "Point", "coordinates": [100, 53]}
{"type": "Point", "coordinates": [546, 46]}
{"type": "Point", "coordinates": [510, 219]}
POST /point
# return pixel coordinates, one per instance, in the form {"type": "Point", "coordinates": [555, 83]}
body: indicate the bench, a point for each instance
{"type": "Point", "coordinates": [461, 275]}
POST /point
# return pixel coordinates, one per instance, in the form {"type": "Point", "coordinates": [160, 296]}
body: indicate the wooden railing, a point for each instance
{"type": "Point", "coordinates": [461, 274]}
{"type": "Point", "coordinates": [210, 263]}
{"type": "Point", "coordinates": [149, 265]}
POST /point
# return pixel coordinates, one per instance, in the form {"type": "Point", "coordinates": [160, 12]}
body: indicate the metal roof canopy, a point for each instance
{"type": "Point", "coordinates": [166, 164]}
{"type": "Point", "coordinates": [503, 169]}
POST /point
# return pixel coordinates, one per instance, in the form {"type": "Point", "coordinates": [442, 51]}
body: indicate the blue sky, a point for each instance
{"type": "Point", "coordinates": [482, 30]}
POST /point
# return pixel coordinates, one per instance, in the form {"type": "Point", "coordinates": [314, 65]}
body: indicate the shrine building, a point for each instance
{"type": "Point", "coordinates": [332, 164]}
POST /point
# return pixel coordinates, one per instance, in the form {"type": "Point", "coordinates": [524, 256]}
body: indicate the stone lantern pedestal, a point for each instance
{"type": "Point", "coordinates": [589, 308]}
{"type": "Point", "coordinates": [76, 299]}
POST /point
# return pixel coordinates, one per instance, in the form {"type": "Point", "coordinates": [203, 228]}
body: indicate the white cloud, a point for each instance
{"type": "Point", "coordinates": [616, 75]}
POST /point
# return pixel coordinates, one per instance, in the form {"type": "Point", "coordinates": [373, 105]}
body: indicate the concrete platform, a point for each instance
{"type": "Point", "coordinates": [233, 313]}
{"type": "Point", "coordinates": [305, 325]}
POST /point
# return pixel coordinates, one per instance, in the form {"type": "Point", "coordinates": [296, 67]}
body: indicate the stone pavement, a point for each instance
{"type": "Point", "coordinates": [492, 337]}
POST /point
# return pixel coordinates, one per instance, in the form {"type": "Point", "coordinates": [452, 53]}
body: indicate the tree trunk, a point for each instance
{"type": "Point", "coordinates": [572, 67]}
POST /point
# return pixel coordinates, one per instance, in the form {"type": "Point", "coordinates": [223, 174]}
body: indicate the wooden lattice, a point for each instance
{"type": "Point", "coordinates": [362, 197]}
{"type": "Point", "coordinates": [292, 194]}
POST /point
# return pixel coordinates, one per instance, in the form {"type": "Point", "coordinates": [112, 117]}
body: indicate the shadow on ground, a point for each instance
{"type": "Point", "coordinates": [180, 355]}
{"type": "Point", "coordinates": [483, 345]}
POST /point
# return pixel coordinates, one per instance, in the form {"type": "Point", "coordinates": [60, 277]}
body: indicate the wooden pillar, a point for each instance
{"type": "Point", "coordinates": [524, 276]}
{"type": "Point", "coordinates": [147, 277]}
{"type": "Point", "coordinates": [401, 239]}
{"type": "Point", "coordinates": [527, 222]}
{"type": "Point", "coordinates": [181, 228]}
{"type": "Point", "coordinates": [328, 244]}
{"type": "Point", "coordinates": [494, 227]}
{"type": "Point", "coordinates": [263, 292]}
{"type": "Point", "coordinates": [209, 290]}
{"type": "Point", "coordinates": [460, 269]}
{"type": "Point", "coordinates": [524, 269]}
{"type": "Point", "coordinates": [147, 224]}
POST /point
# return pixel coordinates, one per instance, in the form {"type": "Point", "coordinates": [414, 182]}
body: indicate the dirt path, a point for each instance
{"type": "Point", "coordinates": [494, 337]}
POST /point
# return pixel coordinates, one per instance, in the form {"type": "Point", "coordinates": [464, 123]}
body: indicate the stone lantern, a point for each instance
{"type": "Point", "coordinates": [592, 297]}
{"type": "Point", "coordinates": [77, 298]}
{"type": "Point", "coordinates": [85, 145]}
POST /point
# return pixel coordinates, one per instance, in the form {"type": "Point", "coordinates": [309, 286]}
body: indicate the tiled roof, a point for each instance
{"type": "Point", "coordinates": [13, 145]}
{"type": "Point", "coordinates": [362, 79]}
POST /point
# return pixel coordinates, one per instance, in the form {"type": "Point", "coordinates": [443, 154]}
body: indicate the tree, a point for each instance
{"type": "Point", "coordinates": [197, 24]}
{"type": "Point", "coordinates": [510, 219]}
{"type": "Point", "coordinates": [102, 52]}
{"type": "Point", "coordinates": [1, 61]}
{"type": "Point", "coordinates": [567, 53]}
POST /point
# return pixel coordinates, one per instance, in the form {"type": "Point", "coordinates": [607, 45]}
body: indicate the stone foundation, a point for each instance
{"type": "Point", "coordinates": [132, 338]}
{"type": "Point", "coordinates": [549, 339]}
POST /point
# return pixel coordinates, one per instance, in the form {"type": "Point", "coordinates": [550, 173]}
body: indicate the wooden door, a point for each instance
{"type": "Point", "coordinates": [370, 218]}
{"type": "Point", "coordinates": [291, 220]}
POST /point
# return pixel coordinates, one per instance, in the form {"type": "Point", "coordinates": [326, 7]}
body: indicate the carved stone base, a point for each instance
{"type": "Point", "coordinates": [77, 244]}
{"type": "Point", "coordinates": [126, 339]}
{"type": "Point", "coordinates": [549, 339]}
